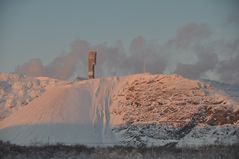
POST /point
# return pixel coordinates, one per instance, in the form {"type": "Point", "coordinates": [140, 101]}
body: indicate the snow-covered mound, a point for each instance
{"type": "Point", "coordinates": [137, 110]}
{"type": "Point", "coordinates": [18, 90]}
{"type": "Point", "coordinates": [163, 109]}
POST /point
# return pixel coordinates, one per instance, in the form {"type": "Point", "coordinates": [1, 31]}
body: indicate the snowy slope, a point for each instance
{"type": "Point", "coordinates": [17, 90]}
{"type": "Point", "coordinates": [68, 113]}
{"type": "Point", "coordinates": [138, 110]}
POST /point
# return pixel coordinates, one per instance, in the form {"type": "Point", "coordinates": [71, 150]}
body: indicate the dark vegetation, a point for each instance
{"type": "Point", "coordinates": [11, 151]}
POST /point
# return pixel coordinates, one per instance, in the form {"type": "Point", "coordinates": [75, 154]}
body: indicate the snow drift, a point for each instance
{"type": "Point", "coordinates": [136, 110]}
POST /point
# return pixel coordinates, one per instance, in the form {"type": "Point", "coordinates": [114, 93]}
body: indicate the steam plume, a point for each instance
{"type": "Point", "coordinates": [190, 53]}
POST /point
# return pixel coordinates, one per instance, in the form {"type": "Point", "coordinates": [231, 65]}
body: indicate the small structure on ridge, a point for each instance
{"type": "Point", "coordinates": [91, 64]}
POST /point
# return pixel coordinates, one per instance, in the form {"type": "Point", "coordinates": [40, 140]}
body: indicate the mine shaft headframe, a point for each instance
{"type": "Point", "coordinates": [91, 64]}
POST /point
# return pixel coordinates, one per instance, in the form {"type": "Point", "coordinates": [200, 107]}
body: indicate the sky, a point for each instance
{"type": "Point", "coordinates": [198, 39]}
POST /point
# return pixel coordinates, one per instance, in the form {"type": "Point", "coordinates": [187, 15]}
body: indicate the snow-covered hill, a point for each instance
{"type": "Point", "coordinates": [137, 110]}
{"type": "Point", "coordinates": [18, 90]}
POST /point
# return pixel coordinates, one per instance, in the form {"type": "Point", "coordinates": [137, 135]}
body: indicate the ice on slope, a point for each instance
{"type": "Point", "coordinates": [67, 113]}
{"type": "Point", "coordinates": [134, 110]}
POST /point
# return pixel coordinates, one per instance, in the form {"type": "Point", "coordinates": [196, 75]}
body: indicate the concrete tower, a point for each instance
{"type": "Point", "coordinates": [91, 64]}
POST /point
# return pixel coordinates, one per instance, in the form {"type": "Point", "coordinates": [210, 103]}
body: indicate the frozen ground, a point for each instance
{"type": "Point", "coordinates": [58, 151]}
{"type": "Point", "coordinates": [137, 110]}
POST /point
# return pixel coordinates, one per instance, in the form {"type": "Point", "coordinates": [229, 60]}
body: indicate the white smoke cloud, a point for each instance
{"type": "Point", "coordinates": [33, 67]}
{"type": "Point", "coordinates": [191, 51]}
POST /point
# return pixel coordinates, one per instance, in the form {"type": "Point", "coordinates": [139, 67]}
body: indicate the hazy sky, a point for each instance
{"type": "Point", "coordinates": [46, 29]}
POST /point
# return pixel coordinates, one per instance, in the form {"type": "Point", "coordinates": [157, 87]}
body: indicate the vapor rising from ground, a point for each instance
{"type": "Point", "coordinates": [192, 52]}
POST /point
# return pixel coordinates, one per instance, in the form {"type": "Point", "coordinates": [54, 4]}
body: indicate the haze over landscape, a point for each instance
{"type": "Point", "coordinates": [119, 79]}
{"type": "Point", "coordinates": [195, 39]}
